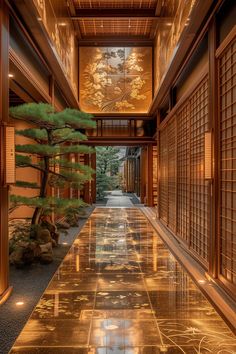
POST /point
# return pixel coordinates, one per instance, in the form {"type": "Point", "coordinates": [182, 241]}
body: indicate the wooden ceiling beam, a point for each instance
{"type": "Point", "coordinates": [158, 8]}
{"type": "Point", "coordinates": [132, 17]}
{"type": "Point", "coordinates": [116, 140]}
{"type": "Point", "coordinates": [72, 12]}
{"type": "Point", "coordinates": [104, 13]}
{"type": "Point", "coordinates": [111, 40]}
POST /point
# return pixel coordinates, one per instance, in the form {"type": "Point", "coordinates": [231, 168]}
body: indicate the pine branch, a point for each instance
{"type": "Point", "coordinates": [73, 165]}
{"type": "Point", "coordinates": [34, 133]}
{"type": "Point", "coordinates": [43, 150]}
{"type": "Point", "coordinates": [68, 135]}
{"type": "Point", "coordinates": [23, 161]}
{"type": "Point", "coordinates": [24, 184]}
{"type": "Point", "coordinates": [75, 149]}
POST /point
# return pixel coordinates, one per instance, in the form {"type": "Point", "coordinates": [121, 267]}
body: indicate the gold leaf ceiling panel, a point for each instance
{"type": "Point", "coordinates": [116, 27]}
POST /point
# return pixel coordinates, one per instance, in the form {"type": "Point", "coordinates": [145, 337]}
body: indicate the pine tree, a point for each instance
{"type": "Point", "coordinates": [55, 136]}
{"type": "Point", "coordinates": [108, 163]}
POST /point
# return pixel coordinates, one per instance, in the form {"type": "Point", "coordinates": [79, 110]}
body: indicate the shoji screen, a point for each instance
{"type": "Point", "coordinates": [183, 172]}
{"type": "Point", "coordinates": [184, 192]}
{"type": "Point", "coordinates": [227, 98]}
{"type": "Point", "coordinates": [163, 185]}
{"type": "Point", "coordinates": [154, 174]}
{"type": "Point", "coordinates": [171, 132]}
{"type": "Point", "coordinates": [199, 200]}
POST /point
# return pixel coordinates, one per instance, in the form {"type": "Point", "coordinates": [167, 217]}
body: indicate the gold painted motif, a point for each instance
{"type": "Point", "coordinates": [54, 17]}
{"type": "Point", "coordinates": [115, 80]}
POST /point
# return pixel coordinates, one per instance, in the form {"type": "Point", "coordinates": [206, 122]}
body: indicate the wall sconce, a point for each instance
{"type": "Point", "coordinates": [208, 155]}
{"type": "Point", "coordinates": [10, 170]}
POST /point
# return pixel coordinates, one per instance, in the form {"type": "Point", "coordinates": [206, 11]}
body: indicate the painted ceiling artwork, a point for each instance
{"type": "Point", "coordinates": [115, 80]}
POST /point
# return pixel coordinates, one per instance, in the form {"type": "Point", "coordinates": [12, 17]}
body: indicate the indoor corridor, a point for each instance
{"type": "Point", "coordinates": [120, 291]}
{"type": "Point", "coordinates": [118, 199]}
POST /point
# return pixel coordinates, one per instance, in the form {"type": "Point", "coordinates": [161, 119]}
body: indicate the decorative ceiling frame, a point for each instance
{"type": "Point", "coordinates": [116, 22]}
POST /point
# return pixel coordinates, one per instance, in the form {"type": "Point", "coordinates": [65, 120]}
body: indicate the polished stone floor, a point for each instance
{"type": "Point", "coordinates": [120, 291]}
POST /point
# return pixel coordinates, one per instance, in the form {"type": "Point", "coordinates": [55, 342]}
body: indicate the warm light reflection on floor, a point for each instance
{"type": "Point", "coordinates": [120, 291]}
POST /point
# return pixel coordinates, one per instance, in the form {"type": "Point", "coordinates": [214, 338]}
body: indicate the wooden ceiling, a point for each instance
{"type": "Point", "coordinates": [114, 4]}
{"type": "Point", "coordinates": [123, 19]}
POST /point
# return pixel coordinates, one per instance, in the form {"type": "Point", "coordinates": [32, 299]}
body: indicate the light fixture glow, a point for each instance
{"type": "Point", "coordinates": [10, 75]}
{"type": "Point", "coordinates": [208, 156]}
{"type": "Point", "coordinates": [19, 303]}
{"type": "Point", "coordinates": [202, 281]}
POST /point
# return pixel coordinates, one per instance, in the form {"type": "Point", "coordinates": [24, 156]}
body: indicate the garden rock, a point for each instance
{"type": "Point", "coordinates": [44, 236]}
{"type": "Point", "coordinates": [46, 258]}
{"type": "Point", "coordinates": [46, 248]}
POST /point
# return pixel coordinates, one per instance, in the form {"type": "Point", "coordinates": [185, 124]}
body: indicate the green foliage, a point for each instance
{"type": "Point", "coordinates": [40, 134]}
{"type": "Point", "coordinates": [23, 160]}
{"type": "Point", "coordinates": [42, 150]}
{"type": "Point", "coordinates": [48, 203]}
{"type": "Point", "coordinates": [24, 184]}
{"type": "Point", "coordinates": [54, 136]}
{"type": "Point", "coordinates": [108, 163]}
{"type": "Point", "coordinates": [73, 165]}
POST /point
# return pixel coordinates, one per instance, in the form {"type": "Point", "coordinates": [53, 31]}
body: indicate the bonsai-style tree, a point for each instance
{"type": "Point", "coordinates": [55, 136]}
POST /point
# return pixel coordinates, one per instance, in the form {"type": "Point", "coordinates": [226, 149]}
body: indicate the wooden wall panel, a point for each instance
{"type": "Point", "coordinates": [154, 174]}
{"type": "Point", "coordinates": [183, 173]}
{"type": "Point", "coordinates": [172, 187]}
{"type": "Point", "coordinates": [199, 201]}
{"type": "Point", "coordinates": [227, 185]}
{"type": "Point", "coordinates": [184, 192]}
{"type": "Point", "coordinates": [163, 183]}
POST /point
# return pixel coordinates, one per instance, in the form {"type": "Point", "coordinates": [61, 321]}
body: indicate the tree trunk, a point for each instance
{"type": "Point", "coordinates": [43, 191]}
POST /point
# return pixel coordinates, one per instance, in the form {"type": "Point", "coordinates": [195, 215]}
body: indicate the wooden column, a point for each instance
{"type": "Point", "coordinates": [149, 177]}
{"type": "Point", "coordinates": [143, 166]}
{"type": "Point", "coordinates": [93, 182]}
{"type": "Point", "coordinates": [4, 117]}
{"type": "Point", "coordinates": [87, 184]}
{"type": "Point", "coordinates": [51, 190]}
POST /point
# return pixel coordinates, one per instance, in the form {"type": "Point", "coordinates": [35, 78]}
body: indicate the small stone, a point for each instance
{"type": "Point", "coordinates": [44, 236]}
{"type": "Point", "coordinates": [47, 247]}
{"type": "Point", "coordinates": [46, 258]}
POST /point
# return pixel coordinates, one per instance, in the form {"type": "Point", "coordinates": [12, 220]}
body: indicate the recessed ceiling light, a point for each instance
{"type": "Point", "coordinates": [19, 303]}
{"type": "Point", "coordinates": [10, 75]}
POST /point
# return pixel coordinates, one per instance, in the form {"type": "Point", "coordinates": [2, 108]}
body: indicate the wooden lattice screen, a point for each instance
{"type": "Point", "coordinates": [227, 100]}
{"type": "Point", "coordinates": [199, 188]}
{"type": "Point", "coordinates": [183, 172]}
{"type": "Point", "coordinates": [184, 192]}
{"type": "Point", "coordinates": [154, 174]}
{"type": "Point", "coordinates": [171, 131]}
{"type": "Point", "coordinates": [163, 185]}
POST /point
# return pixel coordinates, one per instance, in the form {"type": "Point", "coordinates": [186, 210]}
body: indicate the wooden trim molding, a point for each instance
{"type": "Point", "coordinates": [41, 38]}
{"type": "Point", "coordinates": [19, 64]}
{"type": "Point", "coordinates": [4, 120]}
{"type": "Point", "coordinates": [186, 95]}
{"type": "Point", "coordinates": [226, 42]}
